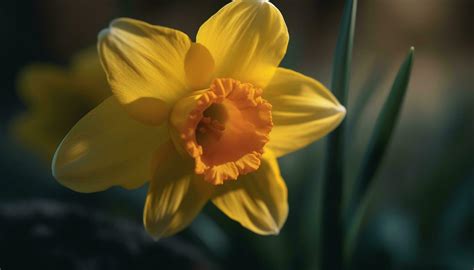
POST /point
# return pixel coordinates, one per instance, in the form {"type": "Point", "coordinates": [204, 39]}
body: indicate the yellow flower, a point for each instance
{"type": "Point", "coordinates": [56, 100]}
{"type": "Point", "coordinates": [200, 121]}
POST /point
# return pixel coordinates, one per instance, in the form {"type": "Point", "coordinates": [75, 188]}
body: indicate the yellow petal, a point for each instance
{"type": "Point", "coordinates": [199, 67]}
{"type": "Point", "coordinates": [175, 195]}
{"type": "Point", "coordinates": [258, 200]}
{"type": "Point", "coordinates": [303, 111]}
{"type": "Point", "coordinates": [107, 148]}
{"type": "Point", "coordinates": [247, 39]}
{"type": "Point", "coordinates": [144, 66]}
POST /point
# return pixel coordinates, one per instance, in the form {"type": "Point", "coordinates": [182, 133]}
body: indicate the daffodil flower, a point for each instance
{"type": "Point", "coordinates": [200, 120]}
{"type": "Point", "coordinates": [56, 99]}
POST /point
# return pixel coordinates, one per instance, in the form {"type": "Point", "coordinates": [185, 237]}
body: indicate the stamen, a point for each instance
{"type": "Point", "coordinates": [211, 127]}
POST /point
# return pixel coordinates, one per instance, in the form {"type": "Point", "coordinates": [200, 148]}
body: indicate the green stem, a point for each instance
{"type": "Point", "coordinates": [332, 233]}
{"type": "Point", "coordinates": [331, 229]}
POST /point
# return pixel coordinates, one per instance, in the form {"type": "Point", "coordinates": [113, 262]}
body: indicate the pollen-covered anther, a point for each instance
{"type": "Point", "coordinates": [227, 129]}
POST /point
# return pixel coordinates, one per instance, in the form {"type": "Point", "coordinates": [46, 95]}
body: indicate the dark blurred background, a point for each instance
{"type": "Point", "coordinates": [420, 212]}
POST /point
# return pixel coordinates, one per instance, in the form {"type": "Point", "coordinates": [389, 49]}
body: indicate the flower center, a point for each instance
{"type": "Point", "coordinates": [227, 129]}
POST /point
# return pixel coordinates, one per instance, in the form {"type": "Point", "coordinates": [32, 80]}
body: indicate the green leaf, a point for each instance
{"type": "Point", "coordinates": [383, 129]}
{"type": "Point", "coordinates": [331, 229]}
{"type": "Point", "coordinates": [377, 147]}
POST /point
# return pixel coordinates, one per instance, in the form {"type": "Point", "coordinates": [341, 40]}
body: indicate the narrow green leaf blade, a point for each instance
{"type": "Point", "coordinates": [331, 229]}
{"type": "Point", "coordinates": [384, 128]}
{"type": "Point", "coordinates": [379, 142]}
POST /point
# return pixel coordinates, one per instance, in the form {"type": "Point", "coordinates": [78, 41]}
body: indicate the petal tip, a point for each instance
{"type": "Point", "coordinates": [340, 113]}
{"type": "Point", "coordinates": [152, 233]}
{"type": "Point", "coordinates": [273, 230]}
{"type": "Point", "coordinates": [342, 110]}
{"type": "Point", "coordinates": [276, 231]}
{"type": "Point", "coordinates": [103, 33]}
{"type": "Point", "coordinates": [155, 236]}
